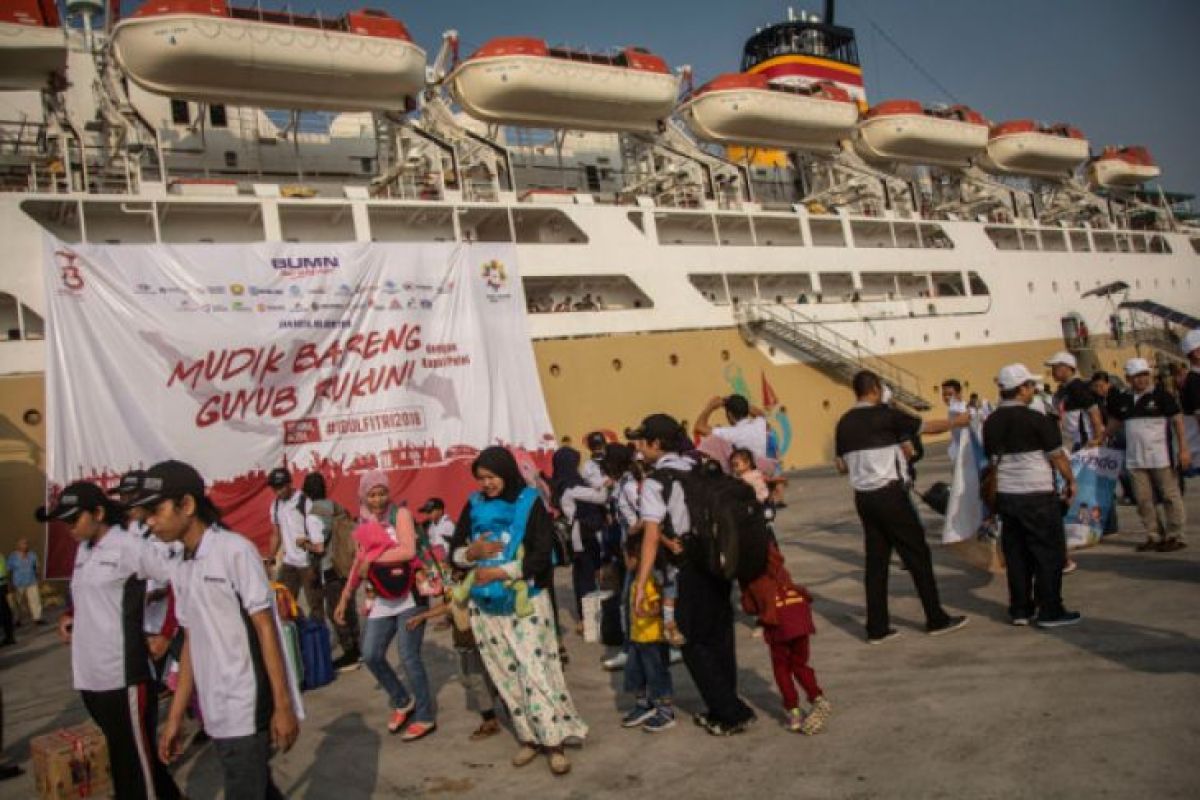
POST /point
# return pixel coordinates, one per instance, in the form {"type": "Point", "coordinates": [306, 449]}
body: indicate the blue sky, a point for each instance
{"type": "Point", "coordinates": [1124, 71]}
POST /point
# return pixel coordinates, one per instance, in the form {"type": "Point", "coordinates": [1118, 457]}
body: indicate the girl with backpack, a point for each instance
{"type": "Point", "coordinates": [387, 549]}
{"type": "Point", "coordinates": [520, 652]}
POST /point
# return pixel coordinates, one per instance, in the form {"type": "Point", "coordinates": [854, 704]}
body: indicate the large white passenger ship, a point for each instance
{"type": "Point", "coordinates": [769, 231]}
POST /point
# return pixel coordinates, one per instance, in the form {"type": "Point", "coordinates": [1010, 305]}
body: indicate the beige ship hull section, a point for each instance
{"type": "Point", "coordinates": [920, 139]}
{"type": "Point", "coordinates": [213, 60]}
{"type": "Point", "coordinates": [1115, 172]}
{"type": "Point", "coordinates": [1037, 154]}
{"type": "Point", "coordinates": [763, 118]}
{"type": "Point", "coordinates": [544, 92]}
{"type": "Point", "coordinates": [585, 391]}
{"type": "Point", "coordinates": [28, 55]}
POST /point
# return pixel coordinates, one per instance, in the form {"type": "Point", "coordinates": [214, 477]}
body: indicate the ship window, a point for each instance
{"type": "Point", "coordinates": [638, 220]}
{"type": "Point", "coordinates": [869, 234]}
{"type": "Point", "coordinates": [217, 116]}
{"type": "Point", "coordinates": [978, 287]}
{"type": "Point", "coordinates": [544, 226]}
{"type": "Point", "coordinates": [391, 223]}
{"type": "Point", "coordinates": [1004, 238]}
{"type": "Point", "coordinates": [685, 229]}
{"type": "Point", "coordinates": [935, 237]}
{"type": "Point", "coordinates": [838, 287]}
{"type": "Point", "coordinates": [59, 217]}
{"type": "Point", "coordinates": [128, 223]}
{"type": "Point", "coordinates": [563, 293]}
{"type": "Point", "coordinates": [711, 287]}
{"type": "Point", "coordinates": [782, 231]}
{"type": "Point", "coordinates": [18, 321]}
{"type": "Point", "coordinates": [734, 229]}
{"type": "Point", "coordinates": [827, 232]}
{"type": "Point", "coordinates": [1139, 242]}
{"type": "Point", "coordinates": [1195, 240]}
{"type": "Point", "coordinates": [1053, 240]}
{"type": "Point", "coordinates": [1029, 240]}
{"type": "Point", "coordinates": [1079, 242]}
{"type": "Point", "coordinates": [299, 221]}
{"type": "Point", "coordinates": [1105, 242]}
{"type": "Point", "coordinates": [1123, 243]}
{"type": "Point", "coordinates": [182, 223]}
{"type": "Point", "coordinates": [231, 159]}
{"type": "Point", "coordinates": [485, 225]}
{"type": "Point", "coordinates": [366, 164]}
{"type": "Point", "coordinates": [180, 113]}
{"type": "Point", "coordinates": [948, 284]}
{"type": "Point", "coordinates": [1159, 244]}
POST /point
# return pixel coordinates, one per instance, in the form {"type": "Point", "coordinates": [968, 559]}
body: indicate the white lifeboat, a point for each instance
{"type": "Point", "coordinates": [1122, 167]}
{"type": "Point", "coordinates": [207, 51]}
{"type": "Point", "coordinates": [522, 81]}
{"type": "Point", "coordinates": [1022, 147]}
{"type": "Point", "coordinates": [33, 45]}
{"type": "Point", "coordinates": [904, 131]}
{"type": "Point", "coordinates": [747, 109]}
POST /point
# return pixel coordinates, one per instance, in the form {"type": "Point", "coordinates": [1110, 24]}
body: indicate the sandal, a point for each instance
{"type": "Point", "coordinates": [525, 755]}
{"type": "Point", "coordinates": [418, 730]}
{"type": "Point", "coordinates": [487, 728]}
{"type": "Point", "coordinates": [559, 763]}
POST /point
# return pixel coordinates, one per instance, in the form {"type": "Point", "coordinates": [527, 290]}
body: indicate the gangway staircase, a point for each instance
{"type": "Point", "coordinates": [1149, 327]}
{"type": "Point", "coordinates": [833, 353]}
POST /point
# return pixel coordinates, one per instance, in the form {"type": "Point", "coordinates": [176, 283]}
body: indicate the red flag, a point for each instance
{"type": "Point", "coordinates": [769, 400]}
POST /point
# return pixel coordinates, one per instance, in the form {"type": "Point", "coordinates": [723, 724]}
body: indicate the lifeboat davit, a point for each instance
{"type": "Point", "coordinates": [522, 81]}
{"type": "Point", "coordinates": [905, 131]}
{"type": "Point", "coordinates": [207, 51]}
{"type": "Point", "coordinates": [745, 109]}
{"type": "Point", "coordinates": [1122, 166]}
{"type": "Point", "coordinates": [33, 45]}
{"type": "Point", "coordinates": [1022, 147]}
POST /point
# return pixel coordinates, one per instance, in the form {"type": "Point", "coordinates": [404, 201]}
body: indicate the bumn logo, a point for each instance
{"type": "Point", "coordinates": [70, 273]}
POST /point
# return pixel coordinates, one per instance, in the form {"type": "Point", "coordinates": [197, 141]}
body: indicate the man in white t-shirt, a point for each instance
{"type": "Point", "coordinates": [747, 429]}
{"type": "Point", "coordinates": [296, 536]}
{"type": "Point", "coordinates": [438, 526]}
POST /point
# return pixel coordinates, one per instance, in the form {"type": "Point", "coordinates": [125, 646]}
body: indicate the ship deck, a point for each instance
{"type": "Point", "coordinates": [1103, 709]}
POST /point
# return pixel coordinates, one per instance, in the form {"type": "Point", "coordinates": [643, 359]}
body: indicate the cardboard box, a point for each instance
{"type": "Point", "coordinates": [71, 763]}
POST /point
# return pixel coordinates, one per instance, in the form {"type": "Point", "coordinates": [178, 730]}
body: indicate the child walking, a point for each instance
{"type": "Point", "coordinates": [648, 670]}
{"type": "Point", "coordinates": [785, 612]}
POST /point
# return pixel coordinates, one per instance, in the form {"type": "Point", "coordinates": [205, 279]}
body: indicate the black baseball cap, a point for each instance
{"type": "Point", "coordinates": [595, 440]}
{"type": "Point", "coordinates": [76, 497]}
{"type": "Point", "coordinates": [432, 504]}
{"type": "Point", "coordinates": [131, 483]}
{"type": "Point", "coordinates": [169, 480]}
{"type": "Point", "coordinates": [659, 427]}
{"type": "Point", "coordinates": [279, 477]}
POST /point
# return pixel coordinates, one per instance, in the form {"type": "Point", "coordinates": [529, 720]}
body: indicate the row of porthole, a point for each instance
{"type": "Point", "coordinates": [1137, 284]}
{"type": "Point", "coordinates": [618, 364]}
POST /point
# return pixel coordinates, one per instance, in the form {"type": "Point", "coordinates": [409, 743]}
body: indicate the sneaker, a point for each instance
{"type": "Point", "coordinates": [1148, 545]}
{"type": "Point", "coordinates": [487, 729]}
{"type": "Point", "coordinates": [9, 771]}
{"type": "Point", "coordinates": [638, 715]}
{"type": "Point", "coordinates": [675, 657]}
{"type": "Point", "coordinates": [721, 729]}
{"type": "Point", "coordinates": [795, 720]}
{"type": "Point", "coordinates": [418, 730]}
{"type": "Point", "coordinates": [400, 716]}
{"type": "Point", "coordinates": [1070, 567]}
{"type": "Point", "coordinates": [1171, 545]}
{"type": "Point", "coordinates": [814, 723]}
{"type": "Point", "coordinates": [892, 633]}
{"type": "Point", "coordinates": [1062, 620]}
{"type": "Point", "coordinates": [1020, 622]}
{"type": "Point", "coordinates": [348, 662]}
{"type": "Point", "coordinates": [663, 719]}
{"type": "Point", "coordinates": [616, 663]}
{"type": "Point", "coordinates": [949, 626]}
{"type": "Point", "coordinates": [701, 720]}
{"type": "Point", "coordinates": [525, 755]}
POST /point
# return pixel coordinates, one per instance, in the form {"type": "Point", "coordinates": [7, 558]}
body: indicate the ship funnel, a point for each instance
{"type": "Point", "coordinates": [830, 7]}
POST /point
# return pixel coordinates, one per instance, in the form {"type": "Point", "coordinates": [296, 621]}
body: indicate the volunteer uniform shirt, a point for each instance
{"type": "Point", "coordinates": [294, 524]}
{"type": "Point", "coordinates": [749, 433]}
{"type": "Point", "coordinates": [156, 610]}
{"type": "Point", "coordinates": [217, 589]}
{"type": "Point", "coordinates": [869, 438]}
{"type": "Point", "coordinates": [1147, 420]}
{"type": "Point", "coordinates": [1072, 402]}
{"type": "Point", "coordinates": [626, 499]}
{"type": "Point", "coordinates": [592, 473]}
{"type": "Point", "coordinates": [656, 508]}
{"type": "Point", "coordinates": [108, 595]}
{"type": "Point", "coordinates": [1022, 439]}
{"type": "Point", "coordinates": [1189, 398]}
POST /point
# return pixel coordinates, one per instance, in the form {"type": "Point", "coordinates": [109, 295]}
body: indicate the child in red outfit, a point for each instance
{"type": "Point", "coordinates": [785, 612]}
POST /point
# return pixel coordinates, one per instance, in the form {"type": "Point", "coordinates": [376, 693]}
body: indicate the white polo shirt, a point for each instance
{"type": "Point", "coordinates": [656, 508]}
{"type": "Point", "coordinates": [108, 595]}
{"type": "Point", "coordinates": [217, 589]}
{"type": "Point", "coordinates": [749, 433]}
{"type": "Point", "coordinates": [295, 525]}
{"type": "Point", "coordinates": [156, 610]}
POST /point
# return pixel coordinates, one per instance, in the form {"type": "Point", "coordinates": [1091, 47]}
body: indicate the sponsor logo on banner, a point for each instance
{"type": "Point", "coordinates": [216, 290]}
{"type": "Point", "coordinates": [295, 291]}
{"type": "Point", "coordinates": [238, 305]}
{"type": "Point", "coordinates": [143, 288]}
{"type": "Point", "coordinates": [301, 431]}
{"type": "Point", "coordinates": [305, 266]}
{"type": "Point", "coordinates": [496, 278]}
{"type": "Point", "coordinates": [237, 289]}
{"type": "Point", "coordinates": [70, 274]}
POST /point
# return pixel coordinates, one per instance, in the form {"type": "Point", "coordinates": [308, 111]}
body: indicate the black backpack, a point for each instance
{"type": "Point", "coordinates": [730, 535]}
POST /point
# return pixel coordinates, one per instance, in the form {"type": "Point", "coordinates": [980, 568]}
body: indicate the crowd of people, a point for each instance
{"type": "Point", "coordinates": [163, 596]}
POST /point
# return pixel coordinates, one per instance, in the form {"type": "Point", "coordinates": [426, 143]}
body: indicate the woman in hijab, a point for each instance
{"type": "Point", "coordinates": [386, 540]}
{"type": "Point", "coordinates": [505, 534]}
{"type": "Point", "coordinates": [584, 506]}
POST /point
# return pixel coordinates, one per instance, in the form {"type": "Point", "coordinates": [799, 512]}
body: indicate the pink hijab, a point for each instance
{"type": "Point", "coordinates": [366, 483]}
{"type": "Point", "coordinates": [374, 543]}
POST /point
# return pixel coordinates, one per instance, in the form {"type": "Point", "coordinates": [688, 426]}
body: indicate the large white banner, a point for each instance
{"type": "Point", "coordinates": [238, 358]}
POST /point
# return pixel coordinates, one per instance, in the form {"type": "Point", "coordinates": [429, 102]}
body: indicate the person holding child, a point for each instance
{"type": "Point", "coordinates": [505, 536]}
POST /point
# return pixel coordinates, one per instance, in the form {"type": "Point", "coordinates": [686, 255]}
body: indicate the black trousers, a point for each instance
{"type": "Point", "coordinates": [1035, 552]}
{"type": "Point", "coordinates": [245, 762]}
{"type": "Point", "coordinates": [6, 615]}
{"type": "Point", "coordinates": [705, 618]}
{"type": "Point", "coordinates": [129, 720]}
{"type": "Point", "coordinates": [584, 566]}
{"type": "Point", "coordinates": [890, 522]}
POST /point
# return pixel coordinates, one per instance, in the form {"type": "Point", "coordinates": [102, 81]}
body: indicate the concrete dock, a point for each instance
{"type": "Point", "coordinates": [1108, 708]}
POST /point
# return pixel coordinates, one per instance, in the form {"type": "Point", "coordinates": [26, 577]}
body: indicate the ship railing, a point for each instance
{"type": "Point", "coordinates": [815, 331]}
